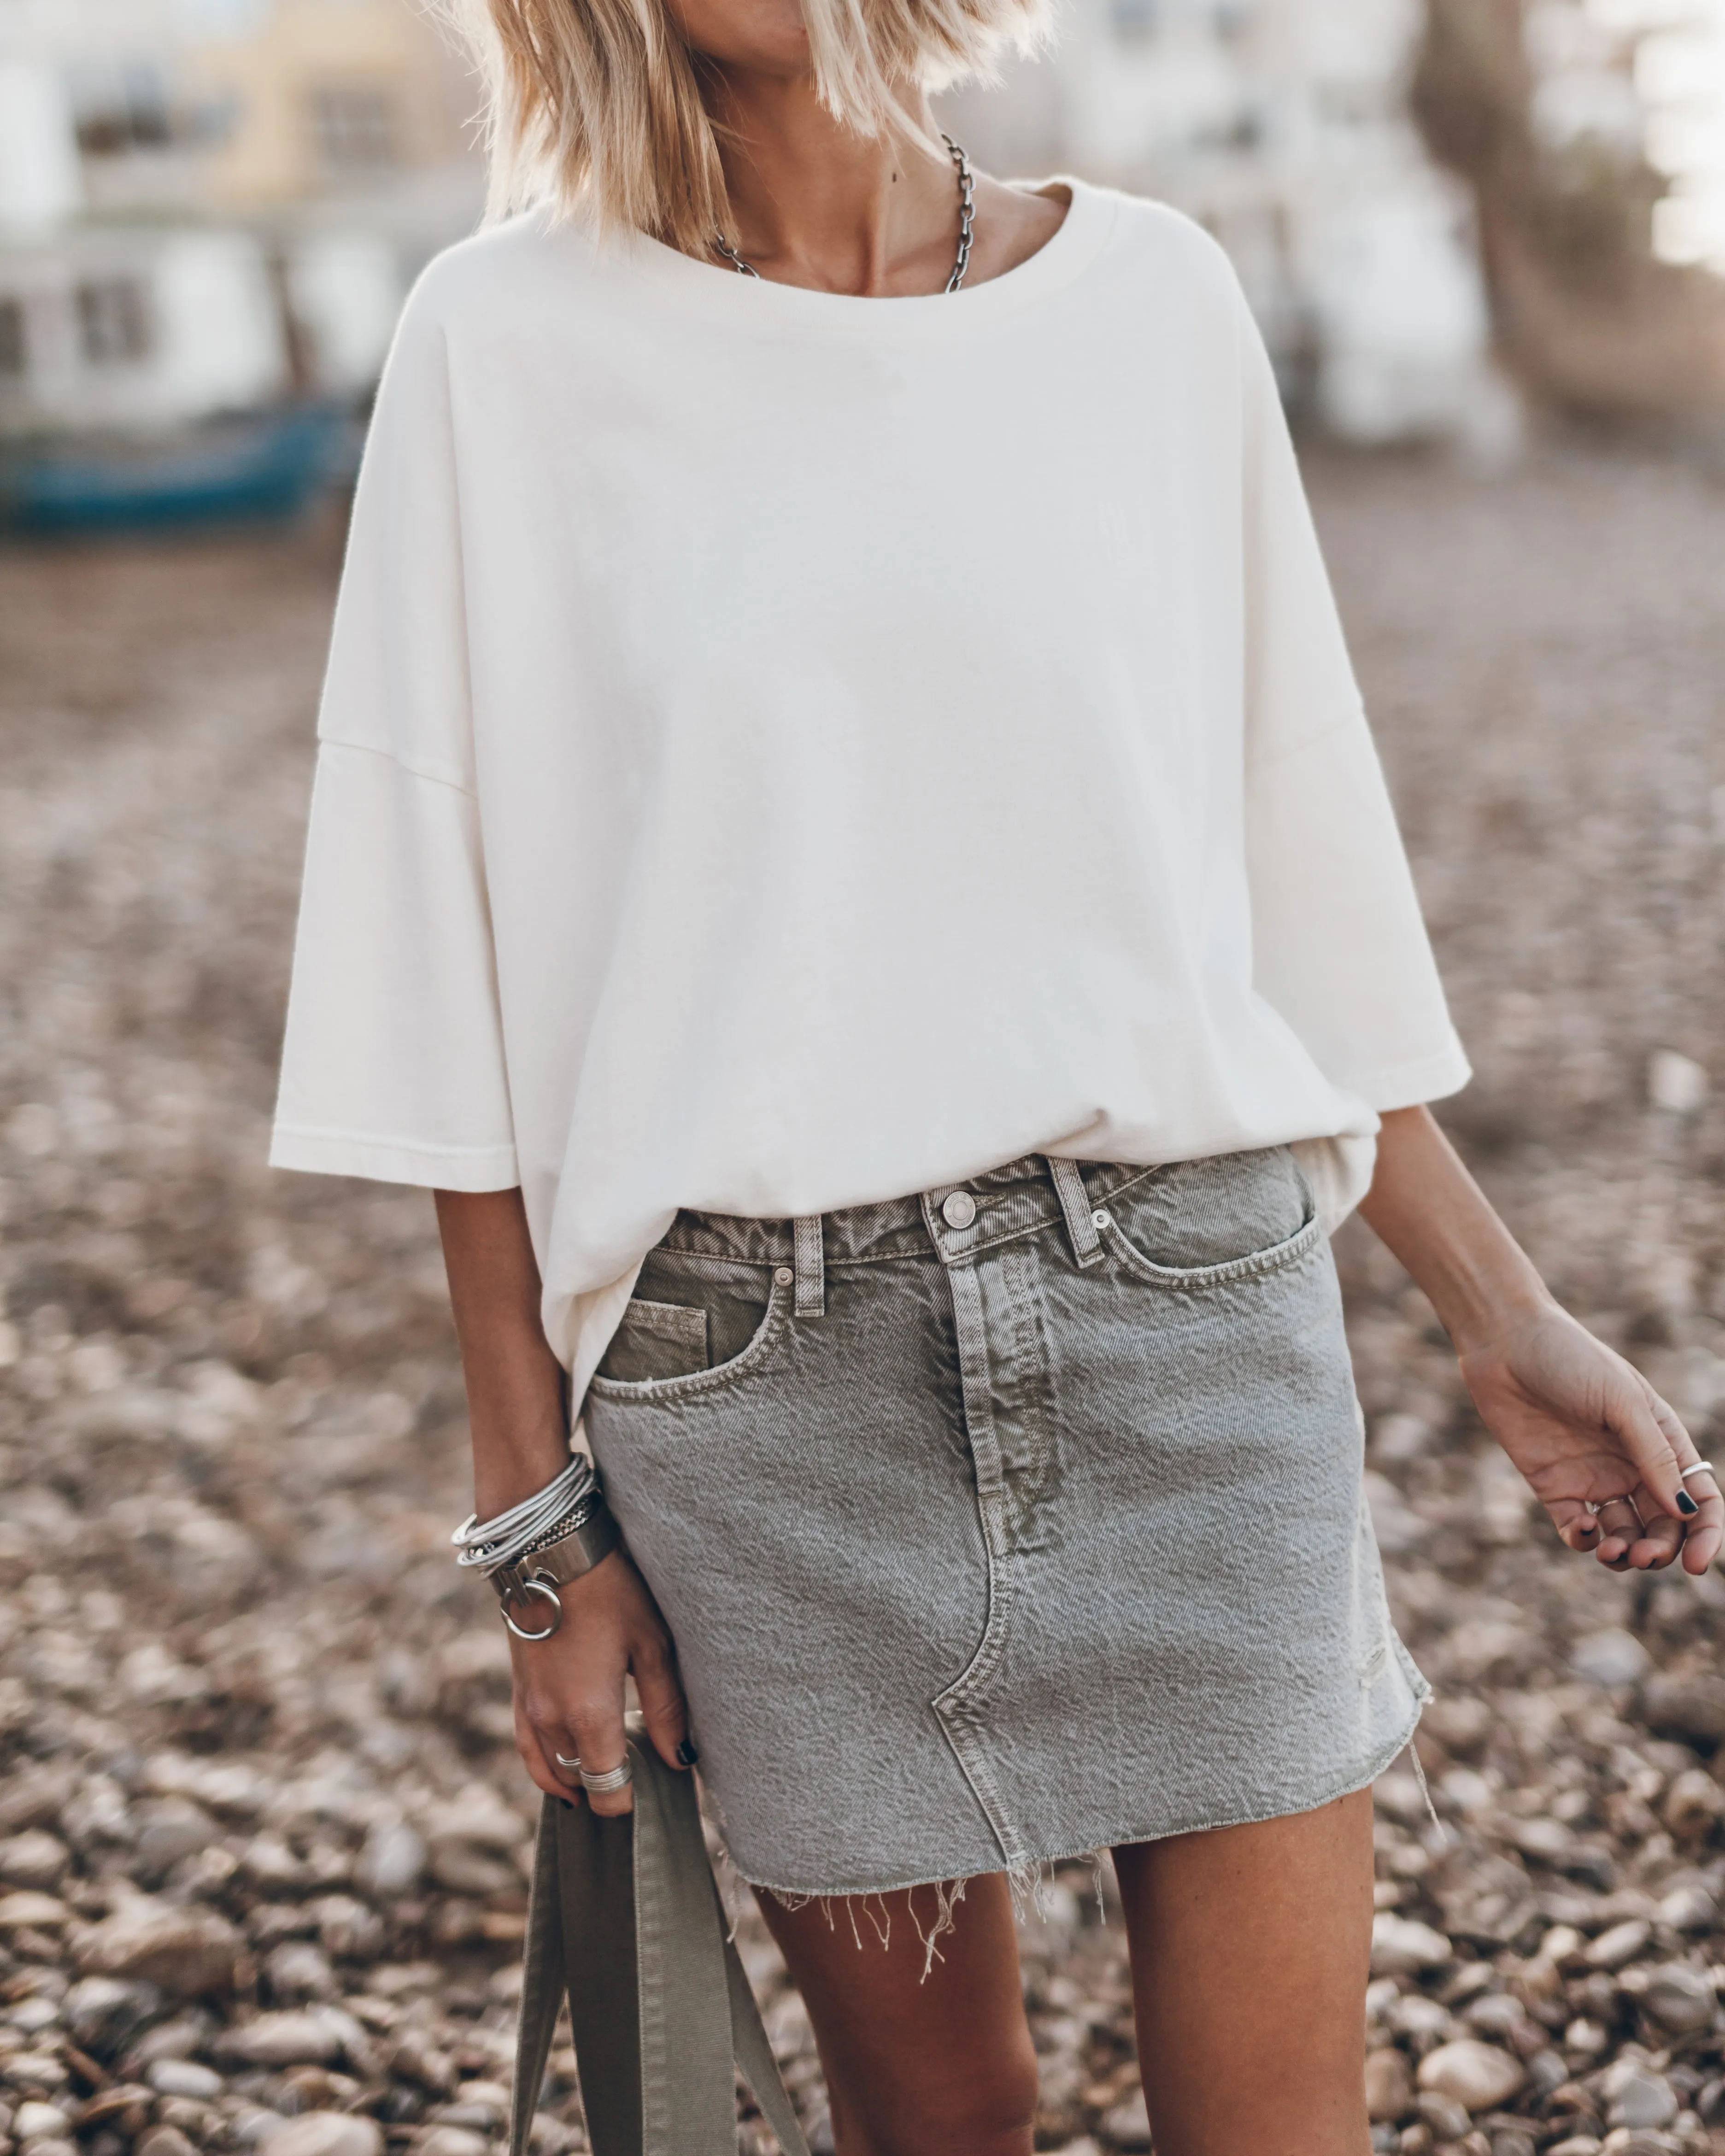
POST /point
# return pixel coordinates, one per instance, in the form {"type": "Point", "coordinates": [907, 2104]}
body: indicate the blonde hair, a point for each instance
{"type": "Point", "coordinates": [596, 105]}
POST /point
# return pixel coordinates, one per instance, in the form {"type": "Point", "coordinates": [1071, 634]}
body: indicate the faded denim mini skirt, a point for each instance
{"type": "Point", "coordinates": [1006, 1523]}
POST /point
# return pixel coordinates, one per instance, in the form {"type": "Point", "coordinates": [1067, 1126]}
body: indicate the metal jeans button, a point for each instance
{"type": "Point", "coordinates": [959, 1210]}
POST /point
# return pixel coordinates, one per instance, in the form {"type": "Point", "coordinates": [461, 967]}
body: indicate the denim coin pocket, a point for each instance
{"type": "Point", "coordinates": [657, 1340]}
{"type": "Point", "coordinates": [689, 1314]}
{"type": "Point", "coordinates": [1215, 1218]}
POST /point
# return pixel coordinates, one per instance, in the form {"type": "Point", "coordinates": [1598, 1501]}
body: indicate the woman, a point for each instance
{"type": "Point", "coordinates": [847, 852]}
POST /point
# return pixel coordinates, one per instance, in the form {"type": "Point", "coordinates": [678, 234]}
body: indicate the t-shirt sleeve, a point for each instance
{"type": "Point", "coordinates": [393, 1063]}
{"type": "Point", "coordinates": [1339, 949]}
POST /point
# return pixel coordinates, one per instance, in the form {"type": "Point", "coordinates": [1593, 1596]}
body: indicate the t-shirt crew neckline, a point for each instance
{"type": "Point", "coordinates": [724, 293]}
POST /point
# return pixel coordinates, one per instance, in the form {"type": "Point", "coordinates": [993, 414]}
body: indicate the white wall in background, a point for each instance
{"type": "Point", "coordinates": [39, 178]}
{"type": "Point", "coordinates": [221, 346]}
{"type": "Point", "coordinates": [140, 329]}
{"type": "Point", "coordinates": [346, 291]}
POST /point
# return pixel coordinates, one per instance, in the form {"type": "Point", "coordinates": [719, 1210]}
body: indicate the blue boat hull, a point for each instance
{"type": "Point", "coordinates": [268, 467]}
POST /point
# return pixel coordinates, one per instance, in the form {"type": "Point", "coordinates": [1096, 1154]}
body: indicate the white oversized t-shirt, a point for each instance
{"type": "Point", "coordinates": [783, 750]}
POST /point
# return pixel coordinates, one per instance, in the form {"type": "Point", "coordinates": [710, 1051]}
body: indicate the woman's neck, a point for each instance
{"type": "Point", "coordinates": [815, 203]}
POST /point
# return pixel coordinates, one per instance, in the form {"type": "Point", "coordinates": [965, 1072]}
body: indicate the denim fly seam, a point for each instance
{"type": "Point", "coordinates": [1003, 1373]}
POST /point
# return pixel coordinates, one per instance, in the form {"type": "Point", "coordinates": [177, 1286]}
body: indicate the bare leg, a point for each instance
{"type": "Point", "coordinates": [940, 2067]}
{"type": "Point", "coordinates": [1251, 1948]}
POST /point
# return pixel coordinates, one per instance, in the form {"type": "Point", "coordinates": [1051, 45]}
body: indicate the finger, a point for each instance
{"type": "Point", "coordinates": [1706, 1536]}
{"type": "Point", "coordinates": [664, 1710]}
{"type": "Point", "coordinates": [1578, 1525]}
{"type": "Point", "coordinates": [1660, 1537]}
{"type": "Point", "coordinates": [597, 1726]}
{"type": "Point", "coordinates": [1620, 1529]}
{"type": "Point", "coordinates": [566, 1764]}
{"type": "Point", "coordinates": [1653, 1434]}
{"type": "Point", "coordinates": [534, 1757]}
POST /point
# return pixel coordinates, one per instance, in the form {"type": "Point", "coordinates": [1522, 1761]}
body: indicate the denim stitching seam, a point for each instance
{"type": "Point", "coordinates": [957, 1705]}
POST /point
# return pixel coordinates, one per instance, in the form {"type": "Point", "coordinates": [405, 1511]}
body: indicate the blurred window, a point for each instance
{"type": "Point", "coordinates": [354, 124]}
{"type": "Point", "coordinates": [121, 109]}
{"type": "Point", "coordinates": [113, 320]}
{"type": "Point", "coordinates": [13, 353]}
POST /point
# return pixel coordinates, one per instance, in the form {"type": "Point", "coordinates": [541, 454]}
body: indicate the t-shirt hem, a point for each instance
{"type": "Point", "coordinates": [388, 1160]}
{"type": "Point", "coordinates": [1408, 1085]}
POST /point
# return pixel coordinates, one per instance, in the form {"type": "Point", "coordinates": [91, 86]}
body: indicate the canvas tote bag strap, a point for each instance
{"type": "Point", "coordinates": [625, 1919]}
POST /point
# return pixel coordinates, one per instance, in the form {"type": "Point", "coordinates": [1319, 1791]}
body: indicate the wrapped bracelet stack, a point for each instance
{"type": "Point", "coordinates": [540, 1545]}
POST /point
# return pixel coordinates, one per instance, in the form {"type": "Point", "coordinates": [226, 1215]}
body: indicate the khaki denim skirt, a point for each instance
{"type": "Point", "coordinates": [1007, 1523]}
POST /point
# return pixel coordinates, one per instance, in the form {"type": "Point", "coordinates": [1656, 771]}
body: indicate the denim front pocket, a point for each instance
{"type": "Point", "coordinates": [1204, 1223]}
{"type": "Point", "coordinates": [695, 1325]}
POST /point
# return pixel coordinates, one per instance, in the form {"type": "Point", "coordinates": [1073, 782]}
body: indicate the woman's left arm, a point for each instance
{"type": "Point", "coordinates": [1583, 1425]}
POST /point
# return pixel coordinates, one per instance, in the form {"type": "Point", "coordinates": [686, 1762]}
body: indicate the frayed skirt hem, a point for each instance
{"type": "Point", "coordinates": [1026, 1876]}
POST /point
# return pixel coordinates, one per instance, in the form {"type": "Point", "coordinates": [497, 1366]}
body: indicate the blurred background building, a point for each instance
{"type": "Point", "coordinates": [1441, 209]}
{"type": "Point", "coordinates": [1438, 206]}
{"type": "Point", "coordinates": [213, 207]}
{"type": "Point", "coordinates": [1283, 125]}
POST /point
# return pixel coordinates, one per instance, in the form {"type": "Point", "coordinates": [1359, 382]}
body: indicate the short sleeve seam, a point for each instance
{"type": "Point", "coordinates": [412, 768]}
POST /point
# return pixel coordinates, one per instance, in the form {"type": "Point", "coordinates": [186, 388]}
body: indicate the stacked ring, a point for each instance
{"type": "Point", "coordinates": [1701, 1467]}
{"type": "Point", "coordinates": [613, 1778]}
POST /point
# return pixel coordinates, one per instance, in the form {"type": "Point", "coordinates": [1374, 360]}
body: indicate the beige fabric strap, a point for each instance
{"type": "Point", "coordinates": [625, 1919]}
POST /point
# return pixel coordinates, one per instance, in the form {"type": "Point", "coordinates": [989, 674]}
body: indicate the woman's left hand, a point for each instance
{"type": "Point", "coordinates": [1600, 1450]}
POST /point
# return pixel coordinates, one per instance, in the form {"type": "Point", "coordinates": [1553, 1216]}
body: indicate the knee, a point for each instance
{"type": "Point", "coordinates": [975, 2106]}
{"type": "Point", "coordinates": [990, 2114]}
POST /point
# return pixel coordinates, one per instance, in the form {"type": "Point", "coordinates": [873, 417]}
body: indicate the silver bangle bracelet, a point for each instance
{"type": "Point", "coordinates": [528, 1585]}
{"type": "Point", "coordinates": [511, 1534]}
{"type": "Point", "coordinates": [488, 1558]}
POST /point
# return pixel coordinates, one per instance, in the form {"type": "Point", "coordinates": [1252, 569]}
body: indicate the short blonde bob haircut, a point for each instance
{"type": "Point", "coordinates": [595, 106]}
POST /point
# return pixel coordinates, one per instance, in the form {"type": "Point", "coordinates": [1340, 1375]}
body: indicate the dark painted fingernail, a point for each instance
{"type": "Point", "coordinates": [686, 1754]}
{"type": "Point", "coordinates": [1687, 1505]}
{"type": "Point", "coordinates": [566, 1804]}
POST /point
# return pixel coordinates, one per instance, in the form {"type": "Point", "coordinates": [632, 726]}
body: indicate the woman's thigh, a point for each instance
{"type": "Point", "coordinates": [922, 2056]}
{"type": "Point", "coordinates": [1250, 1949]}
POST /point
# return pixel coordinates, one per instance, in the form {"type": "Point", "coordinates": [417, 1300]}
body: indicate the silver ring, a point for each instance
{"type": "Point", "coordinates": [1701, 1467]}
{"type": "Point", "coordinates": [551, 1594]}
{"type": "Point", "coordinates": [573, 1765]}
{"type": "Point", "coordinates": [613, 1778]}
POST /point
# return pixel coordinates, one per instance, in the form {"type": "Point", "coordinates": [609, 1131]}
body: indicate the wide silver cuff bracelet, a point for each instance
{"type": "Point", "coordinates": [532, 1581]}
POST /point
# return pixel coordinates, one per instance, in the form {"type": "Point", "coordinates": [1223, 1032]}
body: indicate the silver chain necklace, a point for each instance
{"type": "Point", "coordinates": [966, 219]}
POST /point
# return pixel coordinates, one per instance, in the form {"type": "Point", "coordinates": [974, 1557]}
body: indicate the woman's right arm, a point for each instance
{"type": "Point", "coordinates": [569, 1689]}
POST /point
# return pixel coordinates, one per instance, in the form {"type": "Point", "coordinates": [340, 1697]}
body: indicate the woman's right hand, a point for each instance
{"type": "Point", "coordinates": [569, 1689]}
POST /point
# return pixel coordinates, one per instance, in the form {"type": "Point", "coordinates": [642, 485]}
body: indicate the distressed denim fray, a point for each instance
{"type": "Point", "coordinates": [1008, 1523]}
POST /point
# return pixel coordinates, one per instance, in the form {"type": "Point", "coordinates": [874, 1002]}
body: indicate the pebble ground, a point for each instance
{"type": "Point", "coordinates": [262, 1836]}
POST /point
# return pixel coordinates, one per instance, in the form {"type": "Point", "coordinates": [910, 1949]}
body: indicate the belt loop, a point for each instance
{"type": "Point", "coordinates": [1076, 1205]}
{"type": "Point", "coordinates": [811, 1267]}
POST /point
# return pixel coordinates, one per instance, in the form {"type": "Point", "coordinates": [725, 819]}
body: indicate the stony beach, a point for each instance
{"type": "Point", "coordinates": [263, 1836]}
